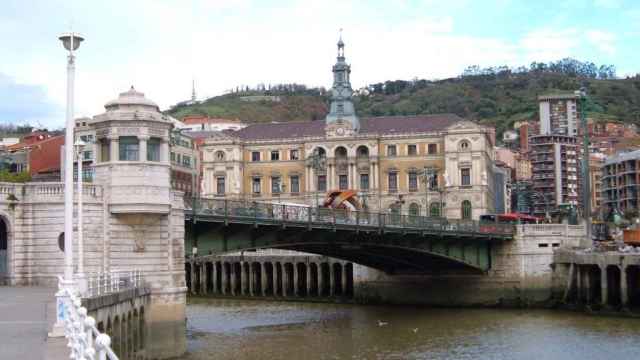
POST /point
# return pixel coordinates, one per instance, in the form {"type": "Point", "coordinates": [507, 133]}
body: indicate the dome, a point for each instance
{"type": "Point", "coordinates": [131, 98]}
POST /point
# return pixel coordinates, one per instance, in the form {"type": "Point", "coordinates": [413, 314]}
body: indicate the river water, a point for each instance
{"type": "Point", "coordinates": [243, 329]}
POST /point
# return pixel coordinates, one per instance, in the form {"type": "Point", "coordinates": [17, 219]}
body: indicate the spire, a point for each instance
{"type": "Point", "coordinates": [342, 111]}
{"type": "Point", "coordinates": [193, 90]}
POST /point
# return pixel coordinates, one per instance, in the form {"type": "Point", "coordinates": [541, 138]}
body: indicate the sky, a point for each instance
{"type": "Point", "coordinates": [160, 46]}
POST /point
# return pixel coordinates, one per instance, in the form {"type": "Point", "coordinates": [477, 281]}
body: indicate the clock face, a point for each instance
{"type": "Point", "coordinates": [340, 131]}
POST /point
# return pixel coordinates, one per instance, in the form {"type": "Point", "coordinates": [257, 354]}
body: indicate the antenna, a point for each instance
{"type": "Point", "coordinates": [193, 89]}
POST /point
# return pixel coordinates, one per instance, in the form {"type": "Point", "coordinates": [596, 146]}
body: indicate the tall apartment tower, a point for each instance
{"type": "Point", "coordinates": [559, 114]}
{"type": "Point", "coordinates": [555, 167]}
{"type": "Point", "coordinates": [620, 182]}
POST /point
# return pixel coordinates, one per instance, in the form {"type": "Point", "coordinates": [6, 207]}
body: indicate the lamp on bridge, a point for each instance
{"type": "Point", "coordinates": [71, 42]}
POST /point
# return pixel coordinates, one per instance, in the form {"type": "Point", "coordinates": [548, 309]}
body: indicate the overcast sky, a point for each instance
{"type": "Point", "coordinates": [160, 45]}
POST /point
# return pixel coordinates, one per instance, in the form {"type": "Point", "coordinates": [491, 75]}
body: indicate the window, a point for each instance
{"type": "Point", "coordinates": [414, 209]}
{"type": "Point", "coordinates": [434, 210]}
{"type": "Point", "coordinates": [153, 149]}
{"type": "Point", "coordinates": [413, 181]}
{"type": "Point", "coordinates": [391, 150]}
{"type": "Point", "coordinates": [412, 150]}
{"type": "Point", "coordinates": [87, 155]}
{"type": "Point", "coordinates": [178, 159]}
{"type": "Point", "coordinates": [340, 108]}
{"type": "Point", "coordinates": [220, 155]}
{"type": "Point", "coordinates": [432, 149]}
{"type": "Point", "coordinates": [322, 183]}
{"type": "Point", "coordinates": [466, 210]}
{"type": "Point", "coordinates": [186, 161]}
{"type": "Point", "coordinates": [173, 157]}
{"type": "Point", "coordinates": [255, 156]}
{"type": "Point", "coordinates": [295, 184]}
{"type": "Point", "coordinates": [465, 177]}
{"type": "Point", "coordinates": [129, 148]}
{"type": "Point", "coordinates": [105, 150]}
{"type": "Point", "coordinates": [220, 185]}
{"type": "Point", "coordinates": [275, 185]}
{"type": "Point", "coordinates": [343, 182]}
{"type": "Point", "coordinates": [364, 181]}
{"type": "Point", "coordinates": [433, 180]}
{"type": "Point", "coordinates": [255, 185]}
{"type": "Point", "coordinates": [393, 182]}
{"type": "Point", "coordinates": [294, 155]}
{"type": "Point", "coordinates": [464, 145]}
{"type": "Point", "coordinates": [275, 155]}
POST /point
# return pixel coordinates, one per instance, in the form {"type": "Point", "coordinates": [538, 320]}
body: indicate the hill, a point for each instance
{"type": "Point", "coordinates": [494, 96]}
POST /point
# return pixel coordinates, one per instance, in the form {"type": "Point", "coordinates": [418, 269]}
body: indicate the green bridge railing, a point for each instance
{"type": "Point", "coordinates": [270, 213]}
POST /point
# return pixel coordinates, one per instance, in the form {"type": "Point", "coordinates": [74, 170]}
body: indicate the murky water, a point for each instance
{"type": "Point", "coordinates": [236, 329]}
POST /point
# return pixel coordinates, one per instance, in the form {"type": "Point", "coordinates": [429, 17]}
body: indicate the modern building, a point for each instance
{"type": "Point", "coordinates": [620, 182]}
{"type": "Point", "coordinates": [502, 187]}
{"type": "Point", "coordinates": [409, 164]}
{"type": "Point", "coordinates": [205, 123]}
{"type": "Point", "coordinates": [521, 197]}
{"type": "Point", "coordinates": [555, 162]}
{"type": "Point", "coordinates": [558, 114]}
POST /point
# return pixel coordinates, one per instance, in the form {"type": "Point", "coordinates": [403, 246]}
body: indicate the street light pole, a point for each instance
{"type": "Point", "coordinates": [79, 146]}
{"type": "Point", "coordinates": [586, 183]}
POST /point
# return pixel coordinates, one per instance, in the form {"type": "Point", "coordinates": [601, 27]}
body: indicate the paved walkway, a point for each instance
{"type": "Point", "coordinates": [26, 315]}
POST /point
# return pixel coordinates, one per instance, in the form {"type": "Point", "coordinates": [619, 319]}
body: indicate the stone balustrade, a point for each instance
{"type": "Point", "coordinates": [45, 192]}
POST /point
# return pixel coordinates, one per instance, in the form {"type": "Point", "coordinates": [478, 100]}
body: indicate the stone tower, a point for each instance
{"type": "Point", "coordinates": [143, 217]}
{"type": "Point", "coordinates": [341, 119]}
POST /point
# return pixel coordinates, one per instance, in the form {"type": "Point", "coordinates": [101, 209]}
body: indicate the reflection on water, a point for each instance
{"type": "Point", "coordinates": [236, 329]}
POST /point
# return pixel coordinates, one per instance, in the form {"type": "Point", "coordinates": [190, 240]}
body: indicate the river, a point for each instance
{"type": "Point", "coordinates": [243, 329]}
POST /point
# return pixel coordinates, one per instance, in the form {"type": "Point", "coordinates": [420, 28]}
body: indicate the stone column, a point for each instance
{"type": "Point", "coordinates": [263, 279]}
{"type": "Point", "coordinates": [308, 280]}
{"type": "Point", "coordinates": [344, 280]}
{"type": "Point", "coordinates": [579, 283]}
{"type": "Point", "coordinates": [214, 278]}
{"type": "Point", "coordinates": [203, 278]}
{"type": "Point", "coordinates": [332, 280]}
{"type": "Point", "coordinates": [587, 285]}
{"type": "Point", "coordinates": [223, 279]}
{"type": "Point", "coordinates": [274, 275]}
{"type": "Point", "coordinates": [232, 282]}
{"type": "Point", "coordinates": [252, 280]}
{"type": "Point", "coordinates": [332, 177]}
{"type": "Point", "coordinates": [603, 285]}
{"type": "Point", "coordinates": [243, 279]}
{"type": "Point", "coordinates": [285, 281]}
{"type": "Point", "coordinates": [114, 148]}
{"type": "Point", "coordinates": [320, 281]}
{"type": "Point", "coordinates": [624, 293]}
{"type": "Point", "coordinates": [296, 290]}
{"type": "Point", "coordinates": [350, 175]}
{"type": "Point", "coordinates": [142, 146]}
{"type": "Point", "coordinates": [194, 283]}
{"type": "Point", "coordinates": [164, 151]}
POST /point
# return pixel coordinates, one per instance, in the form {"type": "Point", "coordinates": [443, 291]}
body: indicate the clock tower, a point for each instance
{"type": "Point", "coordinates": [341, 119]}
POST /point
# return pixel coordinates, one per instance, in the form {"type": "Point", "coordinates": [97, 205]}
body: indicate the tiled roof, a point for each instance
{"type": "Point", "coordinates": [385, 125]}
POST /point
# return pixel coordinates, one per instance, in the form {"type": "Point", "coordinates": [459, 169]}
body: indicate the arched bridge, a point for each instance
{"type": "Point", "coordinates": [390, 242]}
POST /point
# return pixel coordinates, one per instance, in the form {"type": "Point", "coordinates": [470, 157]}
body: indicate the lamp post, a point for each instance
{"type": "Point", "coordinates": [586, 186]}
{"type": "Point", "coordinates": [71, 42]}
{"type": "Point", "coordinates": [79, 147]}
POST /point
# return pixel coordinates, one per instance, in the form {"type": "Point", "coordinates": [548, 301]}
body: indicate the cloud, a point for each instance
{"type": "Point", "coordinates": [608, 4]}
{"type": "Point", "coordinates": [23, 103]}
{"type": "Point", "coordinates": [602, 40]}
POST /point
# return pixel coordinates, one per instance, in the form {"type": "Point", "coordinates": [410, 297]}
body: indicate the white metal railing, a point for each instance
{"type": "Point", "coordinates": [85, 340]}
{"type": "Point", "coordinates": [114, 281]}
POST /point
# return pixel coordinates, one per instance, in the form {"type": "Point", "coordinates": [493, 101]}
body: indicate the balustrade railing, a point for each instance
{"type": "Point", "coordinates": [114, 281]}
{"type": "Point", "coordinates": [253, 210]}
{"type": "Point", "coordinates": [85, 340]}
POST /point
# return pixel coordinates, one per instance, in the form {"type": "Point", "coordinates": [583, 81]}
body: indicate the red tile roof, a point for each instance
{"type": "Point", "coordinates": [385, 125]}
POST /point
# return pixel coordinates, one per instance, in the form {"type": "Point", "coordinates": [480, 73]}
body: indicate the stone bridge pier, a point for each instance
{"type": "Point", "coordinates": [287, 277]}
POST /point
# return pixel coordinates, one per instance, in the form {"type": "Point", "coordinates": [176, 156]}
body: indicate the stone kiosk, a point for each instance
{"type": "Point", "coordinates": [144, 217]}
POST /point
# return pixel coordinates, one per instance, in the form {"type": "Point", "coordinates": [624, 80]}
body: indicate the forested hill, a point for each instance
{"type": "Point", "coordinates": [496, 96]}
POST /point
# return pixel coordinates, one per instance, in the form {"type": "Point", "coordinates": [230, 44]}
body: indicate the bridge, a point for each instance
{"type": "Point", "coordinates": [390, 242]}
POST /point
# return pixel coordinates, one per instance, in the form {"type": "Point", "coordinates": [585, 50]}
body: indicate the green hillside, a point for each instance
{"type": "Point", "coordinates": [494, 96]}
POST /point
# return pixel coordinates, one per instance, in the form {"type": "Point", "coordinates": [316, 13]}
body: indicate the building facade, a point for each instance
{"type": "Point", "coordinates": [429, 165]}
{"type": "Point", "coordinates": [620, 183]}
{"type": "Point", "coordinates": [558, 114]}
{"type": "Point", "coordinates": [555, 162]}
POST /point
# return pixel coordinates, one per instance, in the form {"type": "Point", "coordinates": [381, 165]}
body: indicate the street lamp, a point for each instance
{"type": "Point", "coordinates": [71, 42]}
{"type": "Point", "coordinates": [79, 147]}
{"type": "Point", "coordinates": [586, 186]}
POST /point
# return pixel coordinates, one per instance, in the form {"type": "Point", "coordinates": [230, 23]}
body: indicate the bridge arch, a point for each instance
{"type": "Point", "coordinates": [6, 245]}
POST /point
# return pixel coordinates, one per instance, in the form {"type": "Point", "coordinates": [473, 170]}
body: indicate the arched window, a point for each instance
{"type": "Point", "coordinates": [464, 145]}
{"type": "Point", "coordinates": [220, 155]}
{"type": "Point", "coordinates": [414, 209]}
{"type": "Point", "coordinates": [466, 210]}
{"type": "Point", "coordinates": [434, 210]}
{"type": "Point", "coordinates": [362, 152]}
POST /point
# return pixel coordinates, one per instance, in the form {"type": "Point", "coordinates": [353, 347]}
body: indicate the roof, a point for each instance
{"type": "Point", "coordinates": [131, 97]}
{"type": "Point", "coordinates": [384, 125]}
{"type": "Point", "coordinates": [192, 120]}
{"type": "Point", "coordinates": [630, 155]}
{"type": "Point", "coordinates": [560, 96]}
